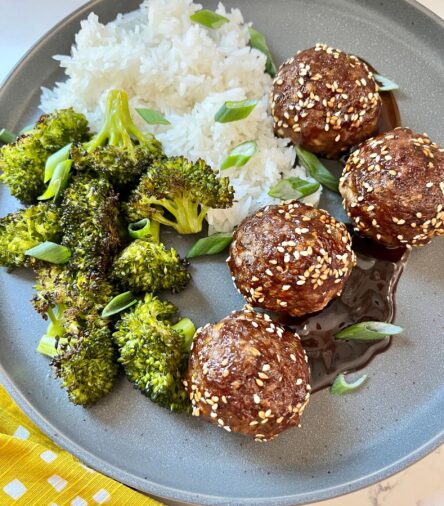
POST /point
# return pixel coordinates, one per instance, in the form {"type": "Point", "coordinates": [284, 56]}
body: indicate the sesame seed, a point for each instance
{"type": "Point", "coordinates": [256, 399]}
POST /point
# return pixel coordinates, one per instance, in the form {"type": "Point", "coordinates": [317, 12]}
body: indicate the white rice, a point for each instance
{"type": "Point", "coordinates": [168, 63]}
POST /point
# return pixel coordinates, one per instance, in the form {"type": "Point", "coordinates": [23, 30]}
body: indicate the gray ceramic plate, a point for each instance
{"type": "Point", "coordinates": [345, 443]}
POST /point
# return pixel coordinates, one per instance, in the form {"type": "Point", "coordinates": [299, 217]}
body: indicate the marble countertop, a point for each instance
{"type": "Point", "coordinates": [422, 484]}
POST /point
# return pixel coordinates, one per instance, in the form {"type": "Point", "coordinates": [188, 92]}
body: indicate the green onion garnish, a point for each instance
{"type": "Point", "coordinates": [341, 387]}
{"type": "Point", "coordinates": [52, 162]}
{"type": "Point", "coordinates": [316, 169]}
{"type": "Point", "coordinates": [368, 331]}
{"type": "Point", "coordinates": [46, 346]}
{"type": "Point", "coordinates": [50, 252]}
{"type": "Point", "coordinates": [139, 229]}
{"type": "Point", "coordinates": [234, 110]}
{"type": "Point", "coordinates": [59, 180]}
{"type": "Point", "coordinates": [240, 155]}
{"type": "Point", "coordinates": [209, 19]}
{"type": "Point", "coordinates": [210, 245]}
{"type": "Point", "coordinates": [119, 303]}
{"type": "Point", "coordinates": [6, 136]}
{"type": "Point", "coordinates": [258, 41]}
{"type": "Point", "coordinates": [385, 84]}
{"type": "Point", "coordinates": [293, 188]}
{"type": "Point", "coordinates": [153, 117]}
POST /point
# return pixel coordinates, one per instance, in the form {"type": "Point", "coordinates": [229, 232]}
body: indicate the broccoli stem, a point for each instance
{"type": "Point", "coordinates": [189, 218]}
{"type": "Point", "coordinates": [187, 329]}
{"type": "Point", "coordinates": [155, 231]}
{"type": "Point", "coordinates": [118, 126]}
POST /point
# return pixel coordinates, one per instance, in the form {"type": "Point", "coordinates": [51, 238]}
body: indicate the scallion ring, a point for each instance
{"type": "Point", "coordinates": [240, 155]}
{"type": "Point", "coordinates": [341, 386]}
{"type": "Point", "coordinates": [153, 117]}
{"type": "Point", "coordinates": [7, 136]}
{"type": "Point", "coordinates": [234, 110]}
{"type": "Point", "coordinates": [209, 19]}
{"type": "Point", "coordinates": [119, 303]}
{"type": "Point", "coordinates": [52, 162]}
{"type": "Point", "coordinates": [210, 245]}
{"type": "Point", "coordinates": [139, 229]}
{"type": "Point", "coordinates": [59, 180]}
{"type": "Point", "coordinates": [257, 40]}
{"type": "Point", "coordinates": [368, 331]}
{"type": "Point", "coordinates": [50, 252]}
{"type": "Point", "coordinates": [293, 188]}
{"type": "Point", "coordinates": [385, 84]}
{"type": "Point", "coordinates": [316, 169]}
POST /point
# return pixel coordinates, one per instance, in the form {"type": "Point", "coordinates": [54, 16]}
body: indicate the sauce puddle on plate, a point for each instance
{"type": "Point", "coordinates": [369, 294]}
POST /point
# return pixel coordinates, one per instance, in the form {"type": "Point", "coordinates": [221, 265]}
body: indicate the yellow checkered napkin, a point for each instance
{"type": "Point", "coordinates": [34, 471]}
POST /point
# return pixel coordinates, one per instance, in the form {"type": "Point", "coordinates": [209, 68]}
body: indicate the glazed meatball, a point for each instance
{"type": "Point", "coordinates": [393, 188]}
{"type": "Point", "coordinates": [248, 374]}
{"type": "Point", "coordinates": [291, 257]}
{"type": "Point", "coordinates": [325, 100]}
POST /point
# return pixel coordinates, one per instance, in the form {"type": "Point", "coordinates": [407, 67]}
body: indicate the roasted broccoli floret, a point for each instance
{"type": "Point", "coordinates": [24, 229]}
{"type": "Point", "coordinates": [22, 163]}
{"type": "Point", "coordinates": [89, 219]}
{"type": "Point", "coordinates": [83, 354]}
{"type": "Point", "coordinates": [75, 290]}
{"type": "Point", "coordinates": [147, 266]}
{"type": "Point", "coordinates": [178, 193]}
{"type": "Point", "coordinates": [119, 151]}
{"type": "Point", "coordinates": [154, 352]}
{"type": "Point", "coordinates": [78, 339]}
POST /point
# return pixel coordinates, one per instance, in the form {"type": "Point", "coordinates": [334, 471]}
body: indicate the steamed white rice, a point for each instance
{"type": "Point", "coordinates": [168, 63]}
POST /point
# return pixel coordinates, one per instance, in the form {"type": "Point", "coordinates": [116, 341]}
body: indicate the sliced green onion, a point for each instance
{"type": "Point", "coordinates": [153, 117]}
{"type": "Point", "coordinates": [293, 188]}
{"type": "Point", "coordinates": [27, 128]}
{"type": "Point", "coordinates": [119, 303]}
{"type": "Point", "coordinates": [210, 245]}
{"type": "Point", "coordinates": [341, 387]}
{"type": "Point", "coordinates": [209, 19]}
{"type": "Point", "coordinates": [50, 252]}
{"type": "Point", "coordinates": [234, 110]}
{"type": "Point", "coordinates": [6, 136]}
{"type": "Point", "coordinates": [240, 155]}
{"type": "Point", "coordinates": [368, 331]}
{"type": "Point", "coordinates": [52, 162]}
{"type": "Point", "coordinates": [258, 41]}
{"type": "Point", "coordinates": [46, 346]}
{"type": "Point", "coordinates": [139, 229]}
{"type": "Point", "coordinates": [144, 227]}
{"type": "Point", "coordinates": [59, 181]}
{"type": "Point", "coordinates": [385, 84]}
{"type": "Point", "coordinates": [316, 169]}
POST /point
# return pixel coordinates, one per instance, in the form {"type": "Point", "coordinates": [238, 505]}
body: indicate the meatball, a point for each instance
{"type": "Point", "coordinates": [291, 257]}
{"type": "Point", "coordinates": [325, 100]}
{"type": "Point", "coordinates": [248, 374]}
{"type": "Point", "coordinates": [393, 188]}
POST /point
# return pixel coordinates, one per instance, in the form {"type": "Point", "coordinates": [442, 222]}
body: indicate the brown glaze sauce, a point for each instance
{"type": "Point", "coordinates": [369, 294]}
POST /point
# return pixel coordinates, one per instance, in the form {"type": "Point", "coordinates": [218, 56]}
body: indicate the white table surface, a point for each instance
{"type": "Point", "coordinates": [22, 23]}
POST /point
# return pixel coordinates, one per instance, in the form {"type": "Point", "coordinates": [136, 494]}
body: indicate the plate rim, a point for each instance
{"type": "Point", "coordinates": [167, 492]}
